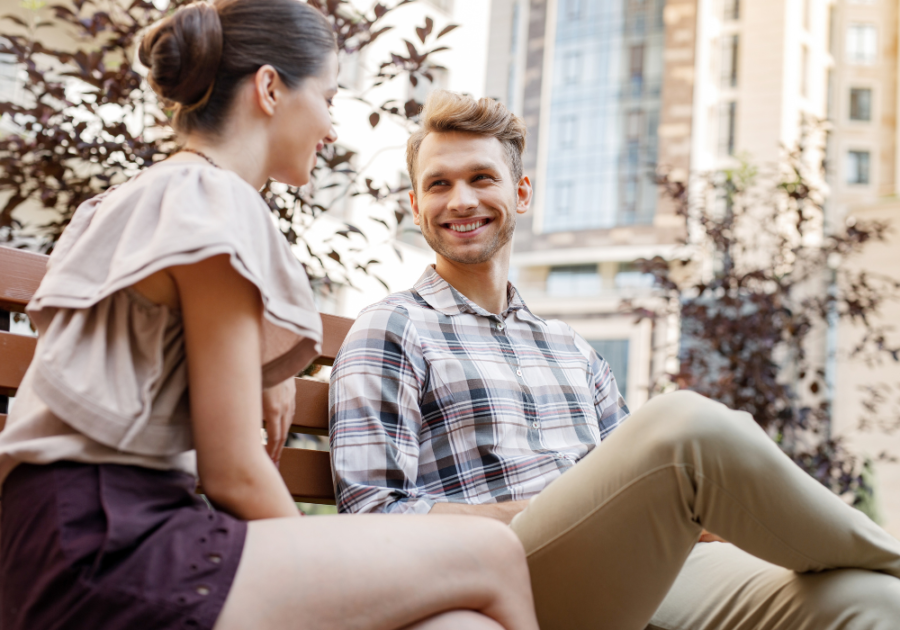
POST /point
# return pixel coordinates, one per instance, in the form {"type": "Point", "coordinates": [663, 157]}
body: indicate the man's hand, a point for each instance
{"type": "Point", "coordinates": [503, 512]}
{"type": "Point", "coordinates": [706, 536]}
{"type": "Point", "coordinates": [279, 403]}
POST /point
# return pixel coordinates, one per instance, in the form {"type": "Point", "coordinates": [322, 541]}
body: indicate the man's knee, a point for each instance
{"type": "Point", "coordinates": [685, 417]}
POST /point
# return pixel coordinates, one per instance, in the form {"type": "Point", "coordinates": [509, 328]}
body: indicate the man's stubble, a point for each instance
{"type": "Point", "coordinates": [473, 258]}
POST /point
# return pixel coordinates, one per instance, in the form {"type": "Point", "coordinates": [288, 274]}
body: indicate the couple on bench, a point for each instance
{"type": "Point", "coordinates": [173, 316]}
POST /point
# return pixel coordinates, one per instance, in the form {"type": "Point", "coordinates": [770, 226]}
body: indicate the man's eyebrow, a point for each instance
{"type": "Point", "coordinates": [481, 166]}
{"type": "Point", "coordinates": [432, 174]}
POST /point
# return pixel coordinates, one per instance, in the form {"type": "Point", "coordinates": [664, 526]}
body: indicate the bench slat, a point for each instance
{"type": "Point", "coordinates": [311, 415]}
{"type": "Point", "coordinates": [16, 352]}
{"type": "Point", "coordinates": [308, 475]}
{"type": "Point", "coordinates": [22, 273]}
{"type": "Point", "coordinates": [334, 331]}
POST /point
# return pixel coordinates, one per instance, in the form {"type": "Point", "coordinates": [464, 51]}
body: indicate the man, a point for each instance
{"type": "Point", "coordinates": [453, 398]}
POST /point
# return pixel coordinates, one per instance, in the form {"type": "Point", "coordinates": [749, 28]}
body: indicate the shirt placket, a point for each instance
{"type": "Point", "coordinates": [516, 363]}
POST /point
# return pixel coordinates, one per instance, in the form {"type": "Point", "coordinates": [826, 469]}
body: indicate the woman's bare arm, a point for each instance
{"type": "Point", "coordinates": [222, 312]}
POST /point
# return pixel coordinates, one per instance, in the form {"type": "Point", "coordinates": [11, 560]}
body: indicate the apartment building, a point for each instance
{"type": "Point", "coordinates": [612, 88]}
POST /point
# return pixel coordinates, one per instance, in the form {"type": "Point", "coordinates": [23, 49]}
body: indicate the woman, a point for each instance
{"type": "Point", "coordinates": [170, 303]}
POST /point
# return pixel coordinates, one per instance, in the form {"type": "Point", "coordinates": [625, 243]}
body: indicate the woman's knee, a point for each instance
{"type": "Point", "coordinates": [498, 543]}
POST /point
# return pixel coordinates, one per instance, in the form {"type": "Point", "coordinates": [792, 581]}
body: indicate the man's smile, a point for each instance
{"type": "Point", "coordinates": [467, 226]}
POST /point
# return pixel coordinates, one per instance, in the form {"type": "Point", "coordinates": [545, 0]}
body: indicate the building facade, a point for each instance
{"type": "Point", "coordinates": [613, 89]}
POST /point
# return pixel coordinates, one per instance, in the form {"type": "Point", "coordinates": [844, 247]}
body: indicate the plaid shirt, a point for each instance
{"type": "Point", "coordinates": [434, 399]}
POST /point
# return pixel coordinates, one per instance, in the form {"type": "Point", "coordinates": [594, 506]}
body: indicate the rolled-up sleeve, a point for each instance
{"type": "Point", "coordinates": [375, 417]}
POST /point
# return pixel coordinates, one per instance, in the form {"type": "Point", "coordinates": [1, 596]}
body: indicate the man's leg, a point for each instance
{"type": "Point", "coordinates": [606, 540]}
{"type": "Point", "coordinates": [721, 586]}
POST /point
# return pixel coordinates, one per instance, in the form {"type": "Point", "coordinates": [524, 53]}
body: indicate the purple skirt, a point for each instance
{"type": "Point", "coordinates": [112, 547]}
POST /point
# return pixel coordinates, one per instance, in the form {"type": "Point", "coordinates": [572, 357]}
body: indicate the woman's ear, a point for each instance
{"type": "Point", "coordinates": [266, 85]}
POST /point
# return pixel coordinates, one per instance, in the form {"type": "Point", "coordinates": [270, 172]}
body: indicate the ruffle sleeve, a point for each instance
{"type": "Point", "coordinates": [170, 214]}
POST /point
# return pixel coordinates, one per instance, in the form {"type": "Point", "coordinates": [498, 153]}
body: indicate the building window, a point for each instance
{"type": "Point", "coordinates": [731, 10]}
{"type": "Point", "coordinates": [574, 9]}
{"type": "Point", "coordinates": [804, 71]}
{"type": "Point", "coordinates": [9, 78]}
{"type": "Point", "coordinates": [603, 70]}
{"type": "Point", "coordinates": [832, 25]}
{"type": "Point", "coordinates": [730, 46]}
{"type": "Point", "coordinates": [573, 281]}
{"type": "Point", "coordinates": [564, 198]}
{"type": "Point", "coordinates": [861, 104]}
{"type": "Point", "coordinates": [636, 69]}
{"type": "Point", "coordinates": [829, 94]}
{"type": "Point", "coordinates": [727, 127]}
{"type": "Point", "coordinates": [862, 43]}
{"type": "Point", "coordinates": [633, 125]}
{"type": "Point", "coordinates": [572, 67]}
{"type": "Point", "coordinates": [858, 167]}
{"type": "Point", "coordinates": [615, 352]}
{"type": "Point", "coordinates": [568, 132]}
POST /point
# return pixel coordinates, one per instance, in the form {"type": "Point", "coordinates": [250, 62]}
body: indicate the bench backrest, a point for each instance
{"type": "Point", "coordinates": [307, 473]}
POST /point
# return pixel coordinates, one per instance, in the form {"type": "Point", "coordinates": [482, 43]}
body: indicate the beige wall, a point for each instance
{"type": "Point", "coordinates": [880, 258]}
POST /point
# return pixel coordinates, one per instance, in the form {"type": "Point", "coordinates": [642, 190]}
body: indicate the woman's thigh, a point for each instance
{"type": "Point", "coordinates": [376, 572]}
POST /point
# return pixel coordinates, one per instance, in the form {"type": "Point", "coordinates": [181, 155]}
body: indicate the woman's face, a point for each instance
{"type": "Point", "coordinates": [302, 125]}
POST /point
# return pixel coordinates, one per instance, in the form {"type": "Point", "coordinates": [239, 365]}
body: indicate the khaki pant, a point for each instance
{"type": "Point", "coordinates": [613, 540]}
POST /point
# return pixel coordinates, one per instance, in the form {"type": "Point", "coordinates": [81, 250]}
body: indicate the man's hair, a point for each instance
{"type": "Point", "coordinates": [448, 111]}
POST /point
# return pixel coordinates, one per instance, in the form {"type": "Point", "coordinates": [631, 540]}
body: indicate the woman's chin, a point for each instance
{"type": "Point", "coordinates": [293, 179]}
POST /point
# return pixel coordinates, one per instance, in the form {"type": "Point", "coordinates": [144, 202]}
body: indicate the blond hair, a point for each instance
{"type": "Point", "coordinates": [448, 111]}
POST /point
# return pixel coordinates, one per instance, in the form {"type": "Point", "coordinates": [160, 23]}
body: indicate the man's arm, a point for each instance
{"type": "Point", "coordinates": [375, 417]}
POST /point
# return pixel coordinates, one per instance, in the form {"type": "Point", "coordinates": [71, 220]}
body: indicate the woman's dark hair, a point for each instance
{"type": "Point", "coordinates": [198, 56]}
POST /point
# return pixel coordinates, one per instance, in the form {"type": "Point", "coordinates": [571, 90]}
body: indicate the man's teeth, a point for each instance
{"type": "Point", "coordinates": [467, 227]}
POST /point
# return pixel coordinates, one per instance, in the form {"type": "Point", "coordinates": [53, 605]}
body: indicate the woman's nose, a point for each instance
{"type": "Point", "coordinates": [332, 136]}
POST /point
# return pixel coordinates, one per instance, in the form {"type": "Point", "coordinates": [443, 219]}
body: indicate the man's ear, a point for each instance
{"type": "Point", "coordinates": [523, 195]}
{"type": "Point", "coordinates": [266, 85]}
{"type": "Point", "coordinates": [415, 206]}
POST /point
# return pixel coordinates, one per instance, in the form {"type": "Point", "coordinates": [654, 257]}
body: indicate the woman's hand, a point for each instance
{"type": "Point", "coordinates": [279, 403]}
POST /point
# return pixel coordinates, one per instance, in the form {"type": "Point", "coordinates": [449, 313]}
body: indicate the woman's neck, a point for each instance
{"type": "Point", "coordinates": [237, 151]}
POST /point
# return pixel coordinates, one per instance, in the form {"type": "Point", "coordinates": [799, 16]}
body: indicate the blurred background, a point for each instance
{"type": "Point", "coordinates": [652, 124]}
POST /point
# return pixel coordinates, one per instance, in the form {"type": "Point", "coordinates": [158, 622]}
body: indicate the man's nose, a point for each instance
{"type": "Point", "coordinates": [462, 198]}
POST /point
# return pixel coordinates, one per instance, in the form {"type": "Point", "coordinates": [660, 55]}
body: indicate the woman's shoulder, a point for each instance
{"type": "Point", "coordinates": [172, 213]}
{"type": "Point", "coordinates": [185, 186]}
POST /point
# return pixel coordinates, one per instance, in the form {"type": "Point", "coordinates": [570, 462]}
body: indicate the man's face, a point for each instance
{"type": "Point", "coordinates": [465, 199]}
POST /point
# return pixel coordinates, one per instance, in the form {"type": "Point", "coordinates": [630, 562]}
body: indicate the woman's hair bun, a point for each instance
{"type": "Point", "coordinates": [182, 53]}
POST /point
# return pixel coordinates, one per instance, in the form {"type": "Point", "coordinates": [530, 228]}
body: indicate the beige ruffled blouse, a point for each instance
{"type": "Point", "coordinates": [108, 383]}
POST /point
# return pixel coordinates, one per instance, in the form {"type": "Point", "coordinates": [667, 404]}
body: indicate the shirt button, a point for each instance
{"type": "Point", "coordinates": [518, 372]}
{"type": "Point", "coordinates": [500, 326]}
{"type": "Point", "coordinates": [535, 424]}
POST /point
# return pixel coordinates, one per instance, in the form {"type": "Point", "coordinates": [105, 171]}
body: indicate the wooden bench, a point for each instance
{"type": "Point", "coordinates": [307, 473]}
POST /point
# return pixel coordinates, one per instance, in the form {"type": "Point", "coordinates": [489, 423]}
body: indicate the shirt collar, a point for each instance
{"type": "Point", "coordinates": [443, 298]}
